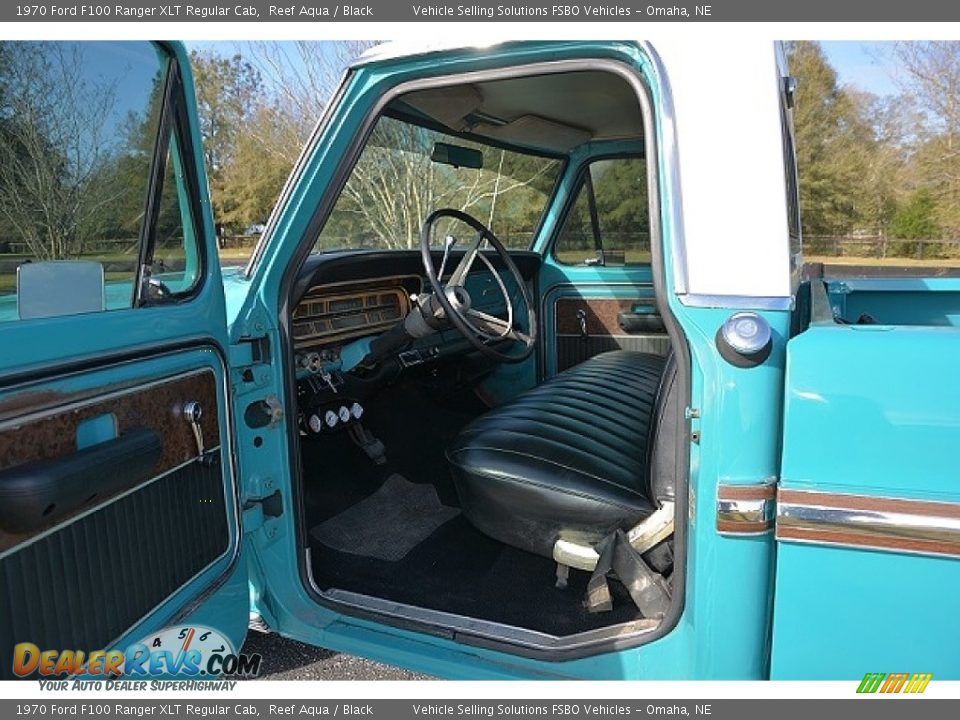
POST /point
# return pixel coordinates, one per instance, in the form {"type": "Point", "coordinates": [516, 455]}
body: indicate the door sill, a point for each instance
{"type": "Point", "coordinates": [487, 633]}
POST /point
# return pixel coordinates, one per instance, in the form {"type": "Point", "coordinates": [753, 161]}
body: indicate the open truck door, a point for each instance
{"type": "Point", "coordinates": [119, 513]}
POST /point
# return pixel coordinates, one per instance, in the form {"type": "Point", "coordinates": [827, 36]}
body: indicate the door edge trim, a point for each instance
{"type": "Point", "coordinates": [746, 509]}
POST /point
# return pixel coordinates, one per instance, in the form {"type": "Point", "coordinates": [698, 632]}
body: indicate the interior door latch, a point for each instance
{"type": "Point", "coordinates": [582, 319]}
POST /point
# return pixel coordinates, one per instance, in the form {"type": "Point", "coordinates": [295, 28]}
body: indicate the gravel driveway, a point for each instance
{"type": "Point", "coordinates": [290, 660]}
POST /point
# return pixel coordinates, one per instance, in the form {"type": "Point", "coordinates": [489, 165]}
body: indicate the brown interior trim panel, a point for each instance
{"type": "Point", "coordinates": [878, 523]}
{"type": "Point", "coordinates": [333, 313]}
{"type": "Point", "coordinates": [607, 316]}
{"type": "Point", "coordinates": [58, 462]}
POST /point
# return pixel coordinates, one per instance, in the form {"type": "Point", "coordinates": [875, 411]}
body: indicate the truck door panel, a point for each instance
{"type": "Point", "coordinates": [81, 575]}
{"type": "Point", "coordinates": [588, 325]}
{"type": "Point", "coordinates": [868, 524]}
{"type": "Point", "coordinates": [119, 511]}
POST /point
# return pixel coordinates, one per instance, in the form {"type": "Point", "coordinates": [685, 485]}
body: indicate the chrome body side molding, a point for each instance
{"type": "Point", "coordinates": [875, 523]}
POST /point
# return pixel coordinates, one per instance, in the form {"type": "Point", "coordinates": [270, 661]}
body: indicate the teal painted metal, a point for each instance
{"type": "Point", "coordinates": [897, 301]}
{"type": "Point", "coordinates": [120, 346]}
{"type": "Point", "coordinates": [842, 612]}
{"type": "Point", "coordinates": [723, 632]}
{"type": "Point", "coordinates": [862, 416]}
{"type": "Point", "coordinates": [870, 410]}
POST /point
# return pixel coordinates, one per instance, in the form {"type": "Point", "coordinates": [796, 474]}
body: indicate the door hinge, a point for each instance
{"type": "Point", "coordinates": [249, 361]}
{"type": "Point", "coordinates": [263, 506]}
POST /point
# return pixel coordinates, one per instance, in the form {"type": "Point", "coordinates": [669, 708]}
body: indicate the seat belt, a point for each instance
{"type": "Point", "coordinates": [647, 588]}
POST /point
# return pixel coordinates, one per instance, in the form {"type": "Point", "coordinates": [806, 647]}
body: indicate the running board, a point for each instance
{"type": "Point", "coordinates": [641, 537]}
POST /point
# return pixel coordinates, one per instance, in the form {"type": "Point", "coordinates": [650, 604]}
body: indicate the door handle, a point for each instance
{"type": "Point", "coordinates": [582, 319]}
{"type": "Point", "coordinates": [640, 323]}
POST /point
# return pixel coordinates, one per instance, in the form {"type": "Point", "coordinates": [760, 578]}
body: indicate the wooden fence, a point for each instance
{"type": "Point", "coordinates": [880, 247]}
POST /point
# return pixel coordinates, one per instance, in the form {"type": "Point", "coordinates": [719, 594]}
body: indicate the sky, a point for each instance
{"type": "Point", "coordinates": [864, 65]}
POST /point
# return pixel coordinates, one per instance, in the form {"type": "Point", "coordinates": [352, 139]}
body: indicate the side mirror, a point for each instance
{"type": "Point", "coordinates": [59, 287]}
{"type": "Point", "coordinates": [457, 155]}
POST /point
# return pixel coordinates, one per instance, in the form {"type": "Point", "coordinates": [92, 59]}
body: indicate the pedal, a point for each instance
{"type": "Point", "coordinates": [373, 447]}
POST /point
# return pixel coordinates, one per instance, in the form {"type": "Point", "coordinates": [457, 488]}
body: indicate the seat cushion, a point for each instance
{"type": "Point", "coordinates": [568, 459]}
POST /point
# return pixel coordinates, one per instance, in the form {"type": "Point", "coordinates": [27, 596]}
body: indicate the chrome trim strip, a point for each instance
{"type": "Point", "coordinates": [860, 521]}
{"type": "Point", "coordinates": [746, 509]}
{"type": "Point", "coordinates": [737, 302]}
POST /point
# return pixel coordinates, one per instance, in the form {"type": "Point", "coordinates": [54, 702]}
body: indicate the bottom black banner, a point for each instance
{"type": "Point", "coordinates": [877, 709]}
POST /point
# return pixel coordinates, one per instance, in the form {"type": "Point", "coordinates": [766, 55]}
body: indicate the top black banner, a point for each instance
{"type": "Point", "coordinates": [507, 11]}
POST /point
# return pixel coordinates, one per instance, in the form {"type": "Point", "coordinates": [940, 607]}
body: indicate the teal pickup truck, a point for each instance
{"type": "Point", "coordinates": [526, 378]}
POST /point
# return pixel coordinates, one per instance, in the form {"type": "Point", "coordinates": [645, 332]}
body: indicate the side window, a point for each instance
{"type": "Point", "coordinates": [175, 258]}
{"type": "Point", "coordinates": [609, 220]}
{"type": "Point", "coordinates": [79, 124]}
{"type": "Point", "coordinates": [787, 94]}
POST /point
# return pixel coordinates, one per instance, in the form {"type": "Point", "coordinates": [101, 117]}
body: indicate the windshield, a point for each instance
{"type": "Point", "coordinates": [395, 185]}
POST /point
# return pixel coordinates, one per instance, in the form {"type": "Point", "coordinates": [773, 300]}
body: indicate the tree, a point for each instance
{"type": "Point", "coordinates": [833, 144]}
{"type": "Point", "coordinates": [55, 144]}
{"type": "Point", "coordinates": [395, 185]}
{"type": "Point", "coordinates": [228, 99]}
{"type": "Point", "coordinates": [931, 80]}
{"type": "Point", "coordinates": [256, 174]}
{"type": "Point", "coordinates": [299, 78]}
{"type": "Point", "coordinates": [916, 219]}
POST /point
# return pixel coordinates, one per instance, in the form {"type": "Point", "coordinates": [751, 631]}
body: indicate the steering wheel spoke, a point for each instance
{"type": "Point", "coordinates": [484, 331]}
{"type": "Point", "coordinates": [489, 326]}
{"type": "Point", "coordinates": [460, 272]}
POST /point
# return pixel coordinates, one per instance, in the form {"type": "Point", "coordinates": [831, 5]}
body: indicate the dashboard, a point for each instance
{"type": "Point", "coordinates": [330, 314]}
{"type": "Point", "coordinates": [340, 301]}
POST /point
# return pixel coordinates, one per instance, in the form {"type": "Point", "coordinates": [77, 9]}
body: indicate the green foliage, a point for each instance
{"type": "Point", "coordinates": [916, 219]}
{"type": "Point", "coordinates": [833, 143]}
{"type": "Point", "coordinates": [229, 102]}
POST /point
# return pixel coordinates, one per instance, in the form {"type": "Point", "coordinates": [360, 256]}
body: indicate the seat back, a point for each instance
{"type": "Point", "coordinates": [664, 429]}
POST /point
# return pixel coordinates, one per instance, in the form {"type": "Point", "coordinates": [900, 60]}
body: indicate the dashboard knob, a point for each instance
{"type": "Point", "coordinates": [344, 414]}
{"type": "Point", "coordinates": [356, 410]}
{"type": "Point", "coordinates": [331, 419]}
{"type": "Point", "coordinates": [315, 423]}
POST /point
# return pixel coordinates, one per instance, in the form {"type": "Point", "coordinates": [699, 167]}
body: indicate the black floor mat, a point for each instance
{"type": "Point", "coordinates": [460, 570]}
{"type": "Point", "coordinates": [387, 524]}
{"type": "Point", "coordinates": [456, 569]}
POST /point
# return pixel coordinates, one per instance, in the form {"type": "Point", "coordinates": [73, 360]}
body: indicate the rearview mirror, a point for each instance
{"type": "Point", "coordinates": [457, 155]}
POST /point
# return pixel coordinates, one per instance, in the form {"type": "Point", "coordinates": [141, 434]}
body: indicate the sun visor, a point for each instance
{"type": "Point", "coordinates": [449, 106]}
{"type": "Point", "coordinates": [536, 133]}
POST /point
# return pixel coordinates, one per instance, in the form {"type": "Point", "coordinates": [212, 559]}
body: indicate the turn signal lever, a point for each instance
{"type": "Point", "coordinates": [426, 318]}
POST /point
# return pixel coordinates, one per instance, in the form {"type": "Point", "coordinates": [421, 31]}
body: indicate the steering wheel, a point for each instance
{"type": "Point", "coordinates": [483, 330]}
